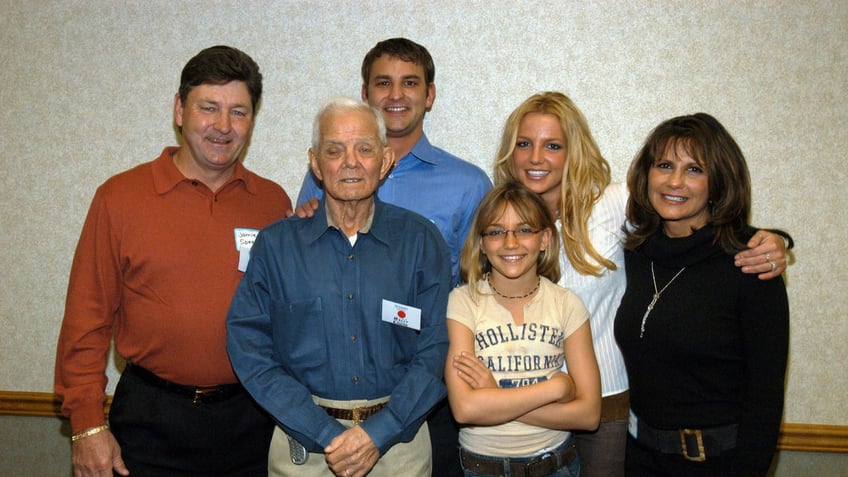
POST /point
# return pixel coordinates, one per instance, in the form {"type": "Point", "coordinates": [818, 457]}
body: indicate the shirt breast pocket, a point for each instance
{"type": "Point", "coordinates": [299, 334]}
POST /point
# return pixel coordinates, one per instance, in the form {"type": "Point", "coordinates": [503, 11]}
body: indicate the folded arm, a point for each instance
{"type": "Point", "coordinates": [491, 405]}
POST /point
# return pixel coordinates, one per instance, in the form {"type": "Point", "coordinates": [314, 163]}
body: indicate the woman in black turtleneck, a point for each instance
{"type": "Point", "coordinates": [705, 345]}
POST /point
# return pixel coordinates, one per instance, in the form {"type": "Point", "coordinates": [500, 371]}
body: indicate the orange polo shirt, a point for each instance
{"type": "Point", "coordinates": [156, 267]}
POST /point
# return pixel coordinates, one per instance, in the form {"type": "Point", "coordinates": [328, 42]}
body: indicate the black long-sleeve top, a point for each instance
{"type": "Point", "coordinates": [714, 348]}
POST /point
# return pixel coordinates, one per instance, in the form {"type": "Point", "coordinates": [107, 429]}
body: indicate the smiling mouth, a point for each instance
{"type": "Point", "coordinates": [511, 258]}
{"type": "Point", "coordinates": [537, 173]}
{"type": "Point", "coordinates": [674, 198]}
{"type": "Point", "coordinates": [396, 109]}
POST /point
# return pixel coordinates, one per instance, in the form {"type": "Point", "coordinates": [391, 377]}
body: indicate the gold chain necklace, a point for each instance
{"type": "Point", "coordinates": [655, 297]}
{"type": "Point", "coordinates": [489, 280]}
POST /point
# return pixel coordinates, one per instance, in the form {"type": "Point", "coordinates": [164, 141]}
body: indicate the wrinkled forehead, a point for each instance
{"type": "Point", "coordinates": [349, 126]}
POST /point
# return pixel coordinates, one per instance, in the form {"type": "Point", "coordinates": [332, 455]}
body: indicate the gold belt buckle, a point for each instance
{"type": "Point", "coordinates": [201, 391]}
{"type": "Point", "coordinates": [699, 438]}
{"type": "Point", "coordinates": [357, 415]}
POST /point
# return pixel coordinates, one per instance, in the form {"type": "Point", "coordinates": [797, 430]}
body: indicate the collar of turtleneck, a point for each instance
{"type": "Point", "coordinates": [684, 251]}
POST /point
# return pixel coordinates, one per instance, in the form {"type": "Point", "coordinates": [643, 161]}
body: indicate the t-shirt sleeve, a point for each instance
{"type": "Point", "coordinates": [574, 313]}
{"type": "Point", "coordinates": [461, 306]}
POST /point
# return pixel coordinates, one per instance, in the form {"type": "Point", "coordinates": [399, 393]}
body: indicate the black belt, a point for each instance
{"type": "Point", "coordinates": [693, 444]}
{"type": "Point", "coordinates": [197, 394]}
{"type": "Point", "coordinates": [539, 466]}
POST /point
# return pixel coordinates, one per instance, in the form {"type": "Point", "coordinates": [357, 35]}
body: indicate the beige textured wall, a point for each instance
{"type": "Point", "coordinates": [87, 91]}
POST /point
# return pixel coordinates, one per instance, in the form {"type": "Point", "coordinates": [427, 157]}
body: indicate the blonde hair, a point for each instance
{"type": "Point", "coordinates": [584, 179]}
{"type": "Point", "coordinates": [528, 205]}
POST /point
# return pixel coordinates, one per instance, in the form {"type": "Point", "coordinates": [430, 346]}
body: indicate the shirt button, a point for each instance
{"type": "Point", "coordinates": [355, 379]}
{"type": "Point", "coordinates": [350, 297]}
{"type": "Point", "coordinates": [353, 337]}
{"type": "Point", "coordinates": [350, 257]}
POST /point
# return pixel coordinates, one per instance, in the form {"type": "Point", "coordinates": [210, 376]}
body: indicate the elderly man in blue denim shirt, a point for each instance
{"type": "Point", "coordinates": [338, 326]}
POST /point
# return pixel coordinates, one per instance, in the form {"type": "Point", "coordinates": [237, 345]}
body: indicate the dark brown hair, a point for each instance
{"type": "Point", "coordinates": [710, 145]}
{"type": "Point", "coordinates": [401, 48]}
{"type": "Point", "coordinates": [219, 65]}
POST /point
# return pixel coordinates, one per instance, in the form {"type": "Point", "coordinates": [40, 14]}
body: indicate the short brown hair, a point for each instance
{"type": "Point", "coordinates": [219, 65]}
{"type": "Point", "coordinates": [401, 48]}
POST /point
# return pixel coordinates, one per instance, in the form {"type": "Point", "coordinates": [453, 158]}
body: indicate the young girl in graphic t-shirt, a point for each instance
{"type": "Point", "coordinates": [510, 329]}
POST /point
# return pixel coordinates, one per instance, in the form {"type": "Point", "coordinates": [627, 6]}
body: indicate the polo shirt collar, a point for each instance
{"type": "Point", "coordinates": [166, 176]}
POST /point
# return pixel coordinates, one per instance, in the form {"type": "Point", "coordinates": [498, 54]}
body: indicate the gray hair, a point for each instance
{"type": "Point", "coordinates": [342, 103]}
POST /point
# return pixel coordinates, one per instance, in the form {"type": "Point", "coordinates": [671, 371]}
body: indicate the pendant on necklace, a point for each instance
{"type": "Point", "coordinates": [648, 312]}
{"type": "Point", "coordinates": [656, 296]}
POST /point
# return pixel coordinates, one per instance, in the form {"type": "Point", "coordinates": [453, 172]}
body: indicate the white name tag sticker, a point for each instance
{"type": "Point", "coordinates": [402, 315]}
{"type": "Point", "coordinates": [244, 258]}
{"type": "Point", "coordinates": [245, 237]}
{"type": "Point", "coordinates": [244, 241]}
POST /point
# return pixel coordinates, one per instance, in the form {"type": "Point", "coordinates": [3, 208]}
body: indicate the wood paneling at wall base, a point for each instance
{"type": "Point", "coordinates": [17, 403]}
{"type": "Point", "coordinates": [793, 437]}
{"type": "Point", "coordinates": [813, 438]}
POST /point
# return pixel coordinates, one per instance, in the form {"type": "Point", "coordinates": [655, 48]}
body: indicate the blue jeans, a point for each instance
{"type": "Point", "coordinates": [570, 470]}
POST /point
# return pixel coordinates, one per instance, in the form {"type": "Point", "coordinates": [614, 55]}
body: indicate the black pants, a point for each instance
{"type": "Point", "coordinates": [643, 462]}
{"type": "Point", "coordinates": [165, 434]}
{"type": "Point", "coordinates": [444, 438]}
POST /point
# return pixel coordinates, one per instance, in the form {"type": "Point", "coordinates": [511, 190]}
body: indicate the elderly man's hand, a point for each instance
{"type": "Point", "coordinates": [352, 453]}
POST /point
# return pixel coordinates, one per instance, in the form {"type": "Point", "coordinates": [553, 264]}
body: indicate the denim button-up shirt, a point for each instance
{"type": "Point", "coordinates": [306, 320]}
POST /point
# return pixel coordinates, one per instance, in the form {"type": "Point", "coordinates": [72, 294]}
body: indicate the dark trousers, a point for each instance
{"type": "Point", "coordinates": [643, 462]}
{"type": "Point", "coordinates": [444, 438]}
{"type": "Point", "coordinates": [166, 434]}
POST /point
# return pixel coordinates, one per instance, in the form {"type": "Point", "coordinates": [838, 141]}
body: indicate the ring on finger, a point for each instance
{"type": "Point", "coordinates": [768, 258]}
{"type": "Point", "coordinates": [773, 265]}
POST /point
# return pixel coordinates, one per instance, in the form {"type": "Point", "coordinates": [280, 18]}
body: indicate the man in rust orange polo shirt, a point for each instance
{"type": "Point", "coordinates": [161, 252]}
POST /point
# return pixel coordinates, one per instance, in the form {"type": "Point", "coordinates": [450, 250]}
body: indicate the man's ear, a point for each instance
{"type": "Point", "coordinates": [364, 93]}
{"type": "Point", "coordinates": [178, 110]}
{"type": "Point", "coordinates": [313, 165]}
{"type": "Point", "coordinates": [431, 97]}
{"type": "Point", "coordinates": [388, 161]}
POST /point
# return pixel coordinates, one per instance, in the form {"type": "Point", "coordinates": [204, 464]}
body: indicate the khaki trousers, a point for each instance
{"type": "Point", "coordinates": [404, 459]}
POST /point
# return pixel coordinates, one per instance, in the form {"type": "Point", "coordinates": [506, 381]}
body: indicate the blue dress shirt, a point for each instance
{"type": "Point", "coordinates": [431, 182]}
{"type": "Point", "coordinates": [306, 320]}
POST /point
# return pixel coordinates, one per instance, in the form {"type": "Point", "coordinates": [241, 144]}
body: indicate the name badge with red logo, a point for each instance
{"type": "Point", "coordinates": [402, 315]}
